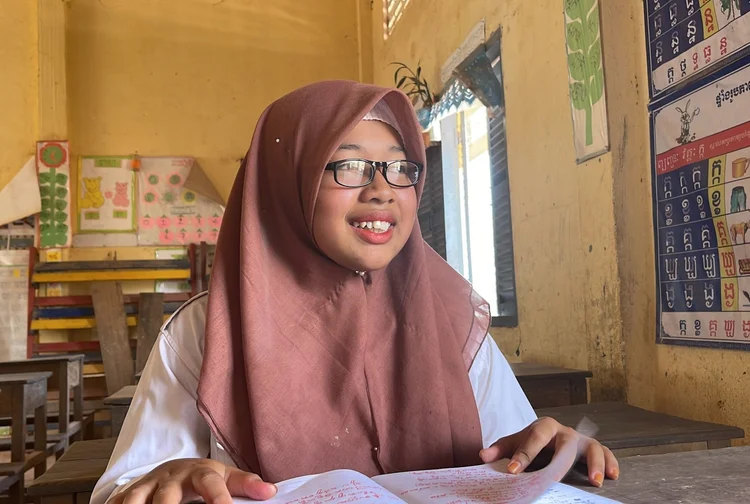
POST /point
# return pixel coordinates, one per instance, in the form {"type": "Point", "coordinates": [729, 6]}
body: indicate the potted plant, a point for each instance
{"type": "Point", "coordinates": [416, 88]}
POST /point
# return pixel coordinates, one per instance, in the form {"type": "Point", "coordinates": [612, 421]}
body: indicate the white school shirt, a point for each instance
{"type": "Point", "coordinates": [163, 422]}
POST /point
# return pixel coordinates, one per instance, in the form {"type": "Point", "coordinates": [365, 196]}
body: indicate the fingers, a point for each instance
{"type": "Point", "coordinates": [538, 436]}
{"type": "Point", "coordinates": [169, 493]}
{"type": "Point", "coordinates": [612, 467]}
{"type": "Point", "coordinates": [243, 484]}
{"type": "Point", "coordinates": [567, 443]}
{"type": "Point", "coordinates": [595, 463]}
{"type": "Point", "coordinates": [210, 485]}
{"type": "Point", "coordinates": [504, 447]}
{"type": "Point", "coordinates": [139, 494]}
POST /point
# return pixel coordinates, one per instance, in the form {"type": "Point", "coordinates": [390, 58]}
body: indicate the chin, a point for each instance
{"type": "Point", "coordinates": [371, 263]}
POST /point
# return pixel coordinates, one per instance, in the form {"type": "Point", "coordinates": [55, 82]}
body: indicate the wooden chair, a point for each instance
{"type": "Point", "coordinates": [21, 394]}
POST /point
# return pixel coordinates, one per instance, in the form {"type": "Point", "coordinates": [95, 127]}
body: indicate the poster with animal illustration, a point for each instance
{"type": "Point", "coordinates": [588, 101]}
{"type": "Point", "coordinates": [53, 167]}
{"type": "Point", "coordinates": [106, 195]}
{"type": "Point", "coordinates": [688, 37]}
{"type": "Point", "coordinates": [701, 181]}
{"type": "Point", "coordinates": [168, 213]}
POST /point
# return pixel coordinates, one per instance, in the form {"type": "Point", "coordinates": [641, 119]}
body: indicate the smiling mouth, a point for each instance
{"type": "Point", "coordinates": [377, 227]}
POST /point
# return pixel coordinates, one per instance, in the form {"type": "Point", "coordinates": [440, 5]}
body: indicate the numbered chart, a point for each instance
{"type": "Point", "coordinates": [701, 185]}
{"type": "Point", "coordinates": [688, 36]}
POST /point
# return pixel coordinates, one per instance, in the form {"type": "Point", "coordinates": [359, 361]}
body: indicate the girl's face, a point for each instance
{"type": "Point", "coordinates": [338, 208]}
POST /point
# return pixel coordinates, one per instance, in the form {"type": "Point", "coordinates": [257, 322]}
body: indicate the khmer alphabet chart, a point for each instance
{"type": "Point", "coordinates": [686, 37]}
{"type": "Point", "coordinates": [701, 182]}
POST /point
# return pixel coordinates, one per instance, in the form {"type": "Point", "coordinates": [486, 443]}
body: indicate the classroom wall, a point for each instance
{"type": "Point", "coordinates": [175, 77]}
{"type": "Point", "coordinates": [193, 76]}
{"type": "Point", "coordinates": [582, 233]}
{"type": "Point", "coordinates": [566, 270]}
{"type": "Point", "coordinates": [18, 86]}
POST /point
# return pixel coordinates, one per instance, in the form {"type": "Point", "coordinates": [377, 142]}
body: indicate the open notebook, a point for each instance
{"type": "Point", "coordinates": [468, 485]}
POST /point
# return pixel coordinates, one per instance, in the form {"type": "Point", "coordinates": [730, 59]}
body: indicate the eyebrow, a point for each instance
{"type": "Point", "coordinates": [357, 147]}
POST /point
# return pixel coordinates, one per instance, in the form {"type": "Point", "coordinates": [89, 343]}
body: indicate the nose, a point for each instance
{"type": "Point", "coordinates": [379, 190]}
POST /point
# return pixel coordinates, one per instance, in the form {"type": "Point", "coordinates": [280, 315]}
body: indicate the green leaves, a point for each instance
{"type": "Point", "coordinates": [412, 83]}
{"type": "Point", "coordinates": [577, 66]}
{"type": "Point", "coordinates": [574, 36]}
{"type": "Point", "coordinates": [53, 228]}
{"type": "Point", "coordinates": [584, 57]}
{"type": "Point", "coordinates": [579, 95]}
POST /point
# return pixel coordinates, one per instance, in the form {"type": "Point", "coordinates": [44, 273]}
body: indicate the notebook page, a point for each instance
{"type": "Point", "coordinates": [483, 484]}
{"type": "Point", "coordinates": [335, 487]}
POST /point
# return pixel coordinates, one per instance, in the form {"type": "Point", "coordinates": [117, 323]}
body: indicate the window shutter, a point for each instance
{"type": "Point", "coordinates": [504, 263]}
{"type": "Point", "coordinates": [432, 208]}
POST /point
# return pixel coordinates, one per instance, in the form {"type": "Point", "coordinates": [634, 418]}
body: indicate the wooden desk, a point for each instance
{"type": "Point", "coordinates": [66, 377]}
{"type": "Point", "coordinates": [628, 430]}
{"type": "Point", "coordinates": [119, 403]}
{"type": "Point", "coordinates": [700, 477]}
{"type": "Point", "coordinates": [547, 386]}
{"type": "Point", "coordinates": [71, 480]}
{"type": "Point", "coordinates": [21, 394]}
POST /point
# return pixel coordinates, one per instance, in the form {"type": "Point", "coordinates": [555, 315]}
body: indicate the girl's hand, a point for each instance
{"type": "Point", "coordinates": [184, 480]}
{"type": "Point", "coordinates": [548, 434]}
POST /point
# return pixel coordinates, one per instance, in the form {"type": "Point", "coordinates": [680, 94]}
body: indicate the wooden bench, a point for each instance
{"type": "Point", "coordinates": [119, 403]}
{"type": "Point", "coordinates": [548, 386]}
{"type": "Point", "coordinates": [628, 430]}
{"type": "Point", "coordinates": [72, 479]}
{"type": "Point", "coordinates": [21, 394]}
{"type": "Point", "coordinates": [67, 380]}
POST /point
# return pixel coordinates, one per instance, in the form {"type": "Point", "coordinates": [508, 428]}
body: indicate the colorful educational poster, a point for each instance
{"type": "Point", "coordinates": [14, 293]}
{"type": "Point", "coordinates": [588, 102]}
{"type": "Point", "coordinates": [106, 195]}
{"type": "Point", "coordinates": [169, 214]}
{"type": "Point", "coordinates": [701, 182]}
{"type": "Point", "coordinates": [687, 36]}
{"type": "Point", "coordinates": [53, 167]}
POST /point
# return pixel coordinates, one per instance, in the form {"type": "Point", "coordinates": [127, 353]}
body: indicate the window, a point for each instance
{"type": "Point", "coordinates": [392, 11]}
{"type": "Point", "coordinates": [465, 209]}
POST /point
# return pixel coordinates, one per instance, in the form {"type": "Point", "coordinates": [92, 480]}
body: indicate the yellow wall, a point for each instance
{"type": "Point", "coordinates": [582, 233]}
{"type": "Point", "coordinates": [175, 77]}
{"type": "Point", "coordinates": [192, 76]}
{"type": "Point", "coordinates": [18, 86]}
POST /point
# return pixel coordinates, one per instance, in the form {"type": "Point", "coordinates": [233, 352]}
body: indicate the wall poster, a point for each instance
{"type": "Point", "coordinates": [170, 214]}
{"type": "Point", "coordinates": [701, 181]}
{"type": "Point", "coordinates": [685, 37]}
{"type": "Point", "coordinates": [106, 195]}
{"type": "Point", "coordinates": [53, 168]}
{"type": "Point", "coordinates": [588, 101]}
{"type": "Point", "coordinates": [14, 293]}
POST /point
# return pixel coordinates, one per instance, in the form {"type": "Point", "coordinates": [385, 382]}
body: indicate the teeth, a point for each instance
{"type": "Point", "coordinates": [376, 226]}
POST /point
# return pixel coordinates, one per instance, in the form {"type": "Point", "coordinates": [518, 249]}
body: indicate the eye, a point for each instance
{"type": "Point", "coordinates": [353, 166]}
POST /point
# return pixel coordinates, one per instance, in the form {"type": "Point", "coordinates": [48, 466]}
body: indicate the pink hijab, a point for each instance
{"type": "Point", "coordinates": [307, 366]}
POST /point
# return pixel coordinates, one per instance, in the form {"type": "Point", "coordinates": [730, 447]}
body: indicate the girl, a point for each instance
{"type": "Point", "coordinates": [331, 336]}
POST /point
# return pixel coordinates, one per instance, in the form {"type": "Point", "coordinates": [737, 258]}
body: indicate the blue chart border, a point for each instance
{"type": "Point", "coordinates": [680, 89]}
{"type": "Point", "coordinates": [653, 110]}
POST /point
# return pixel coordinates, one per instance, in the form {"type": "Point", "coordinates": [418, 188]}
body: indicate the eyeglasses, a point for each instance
{"type": "Point", "coordinates": [361, 172]}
